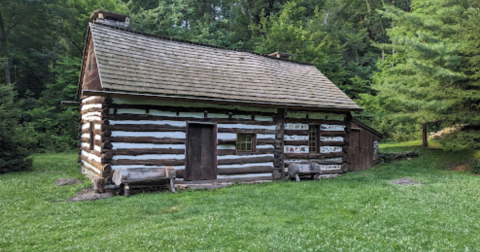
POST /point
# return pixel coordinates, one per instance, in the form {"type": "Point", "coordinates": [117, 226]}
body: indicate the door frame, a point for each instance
{"type": "Point", "coordinates": [215, 143]}
{"type": "Point", "coordinates": [354, 152]}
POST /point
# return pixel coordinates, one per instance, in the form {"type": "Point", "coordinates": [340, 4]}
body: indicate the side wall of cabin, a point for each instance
{"type": "Point", "coordinates": [317, 137]}
{"type": "Point", "coordinates": [152, 133]}
{"type": "Point", "coordinates": [119, 133]}
{"type": "Point", "coordinates": [363, 150]}
{"type": "Point", "coordinates": [94, 160]}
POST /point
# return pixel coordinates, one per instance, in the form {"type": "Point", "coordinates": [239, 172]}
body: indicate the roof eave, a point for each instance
{"type": "Point", "coordinates": [218, 100]}
{"type": "Point", "coordinates": [368, 128]}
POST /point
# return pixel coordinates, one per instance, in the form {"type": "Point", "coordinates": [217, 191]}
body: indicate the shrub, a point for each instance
{"type": "Point", "coordinates": [460, 141]}
{"type": "Point", "coordinates": [475, 167]}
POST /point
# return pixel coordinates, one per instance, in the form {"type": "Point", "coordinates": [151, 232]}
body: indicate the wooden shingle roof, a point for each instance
{"type": "Point", "coordinates": [141, 63]}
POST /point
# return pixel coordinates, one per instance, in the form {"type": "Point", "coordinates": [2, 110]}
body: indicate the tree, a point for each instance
{"type": "Point", "coordinates": [13, 154]}
{"type": "Point", "coordinates": [12, 14]}
{"type": "Point", "coordinates": [425, 78]}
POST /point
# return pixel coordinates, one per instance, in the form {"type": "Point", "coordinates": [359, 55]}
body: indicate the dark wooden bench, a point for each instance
{"type": "Point", "coordinates": [297, 170]}
{"type": "Point", "coordinates": [138, 177]}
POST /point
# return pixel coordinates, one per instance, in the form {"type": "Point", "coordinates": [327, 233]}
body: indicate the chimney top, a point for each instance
{"type": "Point", "coordinates": [281, 55]}
{"type": "Point", "coordinates": [111, 18]}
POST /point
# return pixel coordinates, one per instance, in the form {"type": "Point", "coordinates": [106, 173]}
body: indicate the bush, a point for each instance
{"type": "Point", "coordinates": [475, 167]}
{"type": "Point", "coordinates": [460, 141]}
{"type": "Point", "coordinates": [13, 154]}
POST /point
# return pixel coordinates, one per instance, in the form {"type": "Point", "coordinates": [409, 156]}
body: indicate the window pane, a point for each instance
{"type": "Point", "coordinates": [245, 142]}
{"type": "Point", "coordinates": [241, 137]}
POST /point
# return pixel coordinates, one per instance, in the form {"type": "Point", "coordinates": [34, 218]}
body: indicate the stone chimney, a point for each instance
{"type": "Point", "coordinates": [281, 55]}
{"type": "Point", "coordinates": [110, 18]}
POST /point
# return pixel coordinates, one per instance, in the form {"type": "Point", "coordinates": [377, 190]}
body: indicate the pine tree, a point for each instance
{"type": "Point", "coordinates": [13, 154]}
{"type": "Point", "coordinates": [425, 79]}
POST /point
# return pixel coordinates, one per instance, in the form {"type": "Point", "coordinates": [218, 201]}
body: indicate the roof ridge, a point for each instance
{"type": "Point", "coordinates": [202, 44]}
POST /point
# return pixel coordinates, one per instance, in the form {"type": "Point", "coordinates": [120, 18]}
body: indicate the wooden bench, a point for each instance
{"type": "Point", "coordinates": [297, 170]}
{"type": "Point", "coordinates": [139, 177]}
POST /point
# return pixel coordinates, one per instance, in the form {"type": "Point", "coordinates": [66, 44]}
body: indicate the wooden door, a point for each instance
{"type": "Point", "coordinates": [201, 158]}
{"type": "Point", "coordinates": [360, 152]}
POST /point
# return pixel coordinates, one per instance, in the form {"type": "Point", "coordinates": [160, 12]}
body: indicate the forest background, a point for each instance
{"type": "Point", "coordinates": [404, 61]}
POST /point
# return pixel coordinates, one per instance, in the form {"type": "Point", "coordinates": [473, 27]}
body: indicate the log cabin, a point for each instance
{"type": "Point", "coordinates": [213, 114]}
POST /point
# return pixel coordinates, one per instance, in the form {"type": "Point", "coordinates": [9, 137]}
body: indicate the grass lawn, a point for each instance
{"type": "Point", "coordinates": [359, 211]}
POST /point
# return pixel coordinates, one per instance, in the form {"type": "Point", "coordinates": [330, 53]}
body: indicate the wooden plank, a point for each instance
{"type": "Point", "coordinates": [96, 100]}
{"type": "Point", "coordinates": [314, 121]}
{"type": "Point", "coordinates": [246, 131]}
{"type": "Point", "coordinates": [223, 152]}
{"type": "Point", "coordinates": [155, 162]}
{"type": "Point", "coordinates": [193, 109]}
{"type": "Point", "coordinates": [245, 160]}
{"type": "Point", "coordinates": [164, 140]}
{"type": "Point", "coordinates": [94, 152]}
{"type": "Point", "coordinates": [245, 170]}
{"type": "Point", "coordinates": [137, 117]}
{"type": "Point", "coordinates": [313, 155]}
{"type": "Point", "coordinates": [333, 133]}
{"type": "Point", "coordinates": [332, 143]}
{"type": "Point", "coordinates": [145, 151]}
{"type": "Point", "coordinates": [103, 110]}
{"type": "Point", "coordinates": [296, 142]}
{"type": "Point", "coordinates": [91, 170]}
{"type": "Point", "coordinates": [296, 132]}
{"type": "Point", "coordinates": [145, 128]}
{"type": "Point", "coordinates": [259, 141]}
{"type": "Point", "coordinates": [332, 171]}
{"type": "Point", "coordinates": [142, 175]}
{"type": "Point", "coordinates": [87, 130]}
{"type": "Point", "coordinates": [234, 171]}
{"type": "Point", "coordinates": [226, 180]}
{"type": "Point", "coordinates": [306, 161]}
{"type": "Point", "coordinates": [98, 132]}
{"type": "Point", "coordinates": [200, 154]}
{"type": "Point", "coordinates": [97, 165]}
{"type": "Point", "coordinates": [84, 121]}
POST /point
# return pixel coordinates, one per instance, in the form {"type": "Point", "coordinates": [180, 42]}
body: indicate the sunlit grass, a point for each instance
{"type": "Point", "coordinates": [359, 211]}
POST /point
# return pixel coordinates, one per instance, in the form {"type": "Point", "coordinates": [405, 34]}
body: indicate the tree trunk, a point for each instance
{"type": "Point", "coordinates": [369, 8]}
{"type": "Point", "coordinates": [3, 41]}
{"type": "Point", "coordinates": [424, 134]}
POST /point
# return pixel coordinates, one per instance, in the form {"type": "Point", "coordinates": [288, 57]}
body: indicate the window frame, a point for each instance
{"type": "Point", "coordinates": [253, 142]}
{"type": "Point", "coordinates": [91, 139]}
{"type": "Point", "coordinates": [316, 142]}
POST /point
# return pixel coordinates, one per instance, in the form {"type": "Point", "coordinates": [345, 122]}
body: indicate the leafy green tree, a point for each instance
{"type": "Point", "coordinates": [288, 31]}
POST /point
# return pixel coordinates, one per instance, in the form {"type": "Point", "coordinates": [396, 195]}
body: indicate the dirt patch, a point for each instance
{"type": "Point", "coordinates": [460, 168]}
{"type": "Point", "coordinates": [405, 181]}
{"type": "Point", "coordinates": [90, 194]}
{"type": "Point", "coordinates": [67, 181]}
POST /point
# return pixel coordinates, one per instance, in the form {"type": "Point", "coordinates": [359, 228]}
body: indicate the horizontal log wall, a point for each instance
{"type": "Point", "coordinates": [95, 163]}
{"type": "Point", "coordinates": [129, 133]}
{"type": "Point", "coordinates": [331, 154]}
{"type": "Point", "coordinates": [153, 133]}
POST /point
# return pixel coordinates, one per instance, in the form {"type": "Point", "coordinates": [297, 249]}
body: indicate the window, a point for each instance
{"type": "Point", "coordinates": [92, 137]}
{"type": "Point", "coordinates": [313, 138]}
{"type": "Point", "coordinates": [246, 142]}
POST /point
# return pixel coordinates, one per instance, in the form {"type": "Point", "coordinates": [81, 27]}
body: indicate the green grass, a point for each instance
{"type": "Point", "coordinates": [359, 211]}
